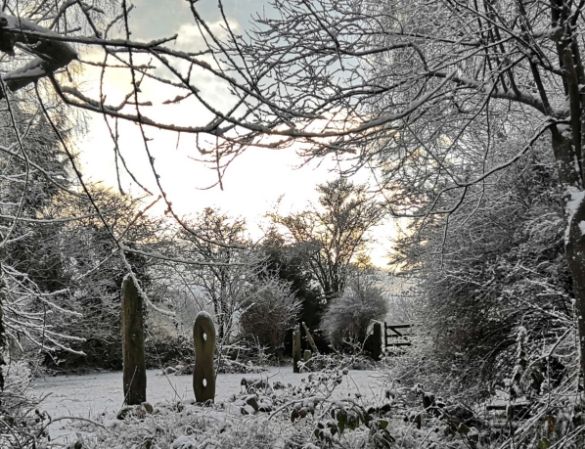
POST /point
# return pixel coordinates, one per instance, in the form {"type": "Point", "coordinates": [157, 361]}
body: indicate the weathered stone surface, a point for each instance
{"type": "Point", "coordinates": [204, 372]}
{"type": "Point", "coordinates": [134, 371]}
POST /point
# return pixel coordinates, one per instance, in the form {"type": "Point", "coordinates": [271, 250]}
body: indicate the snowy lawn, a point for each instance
{"type": "Point", "coordinates": [98, 396]}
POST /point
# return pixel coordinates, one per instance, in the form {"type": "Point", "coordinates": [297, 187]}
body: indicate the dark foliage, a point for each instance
{"type": "Point", "coordinates": [289, 262]}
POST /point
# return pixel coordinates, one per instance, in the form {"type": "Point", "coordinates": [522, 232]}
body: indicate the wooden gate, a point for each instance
{"type": "Point", "coordinates": [397, 335]}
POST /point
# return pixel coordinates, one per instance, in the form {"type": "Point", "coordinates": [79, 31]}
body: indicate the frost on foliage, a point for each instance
{"type": "Point", "coordinates": [184, 442]}
{"type": "Point", "coordinates": [575, 198]}
{"type": "Point", "coordinates": [347, 319]}
{"type": "Point", "coordinates": [17, 376]}
{"type": "Point", "coordinates": [516, 389]}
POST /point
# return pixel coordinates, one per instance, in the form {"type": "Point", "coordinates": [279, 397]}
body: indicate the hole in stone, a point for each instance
{"type": "Point", "coordinates": [204, 336]}
{"type": "Point", "coordinates": [204, 382]}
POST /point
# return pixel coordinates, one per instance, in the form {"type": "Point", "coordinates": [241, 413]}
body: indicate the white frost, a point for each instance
{"type": "Point", "coordinates": [575, 198]}
{"type": "Point", "coordinates": [184, 442]}
{"type": "Point", "coordinates": [564, 129]}
{"type": "Point", "coordinates": [67, 395]}
{"type": "Point", "coordinates": [582, 227]}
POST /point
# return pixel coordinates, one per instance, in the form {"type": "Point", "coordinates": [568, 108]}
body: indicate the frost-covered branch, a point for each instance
{"type": "Point", "coordinates": [50, 54]}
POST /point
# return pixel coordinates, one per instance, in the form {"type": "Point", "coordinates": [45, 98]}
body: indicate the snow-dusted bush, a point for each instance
{"type": "Point", "coordinates": [347, 317]}
{"type": "Point", "coordinates": [17, 375]}
{"type": "Point", "coordinates": [184, 426]}
{"type": "Point", "coordinates": [497, 262]}
{"type": "Point", "coordinates": [268, 414]}
{"type": "Point", "coordinates": [269, 309]}
{"type": "Point", "coordinates": [243, 358]}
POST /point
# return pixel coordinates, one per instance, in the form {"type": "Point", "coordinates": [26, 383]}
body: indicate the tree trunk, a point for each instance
{"type": "Point", "coordinates": [2, 329]}
{"type": "Point", "coordinates": [221, 322]}
{"type": "Point", "coordinates": [296, 348]}
{"type": "Point", "coordinates": [564, 154]}
{"type": "Point", "coordinates": [575, 253]}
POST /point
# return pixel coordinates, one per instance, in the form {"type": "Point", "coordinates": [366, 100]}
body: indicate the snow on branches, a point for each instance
{"type": "Point", "coordinates": [49, 49]}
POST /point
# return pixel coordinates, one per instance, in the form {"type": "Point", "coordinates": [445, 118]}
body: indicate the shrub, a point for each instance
{"type": "Point", "coordinates": [22, 425]}
{"type": "Point", "coordinates": [269, 309]}
{"type": "Point", "coordinates": [347, 317]}
{"type": "Point", "coordinates": [500, 265]}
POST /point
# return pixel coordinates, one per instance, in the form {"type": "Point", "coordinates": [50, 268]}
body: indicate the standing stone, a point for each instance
{"type": "Point", "coordinates": [373, 344]}
{"type": "Point", "coordinates": [204, 373]}
{"type": "Point", "coordinates": [134, 374]}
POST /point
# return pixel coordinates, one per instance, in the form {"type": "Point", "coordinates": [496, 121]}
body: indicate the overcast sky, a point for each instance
{"type": "Point", "coordinates": [155, 18]}
{"type": "Point", "coordinates": [253, 183]}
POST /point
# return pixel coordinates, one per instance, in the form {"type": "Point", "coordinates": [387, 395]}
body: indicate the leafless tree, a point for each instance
{"type": "Point", "coordinates": [334, 231]}
{"type": "Point", "coordinates": [420, 89]}
{"type": "Point", "coordinates": [33, 298]}
{"type": "Point", "coordinates": [221, 243]}
{"type": "Point", "coordinates": [411, 87]}
{"type": "Point", "coordinates": [46, 47]}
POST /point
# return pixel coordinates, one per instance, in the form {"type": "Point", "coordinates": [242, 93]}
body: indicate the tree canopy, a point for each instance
{"type": "Point", "coordinates": [438, 98]}
{"type": "Point", "coordinates": [334, 232]}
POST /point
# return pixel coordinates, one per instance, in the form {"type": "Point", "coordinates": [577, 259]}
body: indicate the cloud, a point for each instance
{"type": "Point", "coordinates": [192, 38]}
{"type": "Point", "coordinates": [255, 180]}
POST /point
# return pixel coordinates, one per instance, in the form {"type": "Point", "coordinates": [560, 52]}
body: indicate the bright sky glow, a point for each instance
{"type": "Point", "coordinates": [254, 183]}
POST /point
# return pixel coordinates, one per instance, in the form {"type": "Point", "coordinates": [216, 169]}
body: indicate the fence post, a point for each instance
{"type": "Point", "coordinates": [296, 348]}
{"type": "Point", "coordinates": [373, 343]}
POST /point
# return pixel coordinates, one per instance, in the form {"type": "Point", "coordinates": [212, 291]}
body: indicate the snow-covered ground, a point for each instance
{"type": "Point", "coordinates": [94, 395]}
